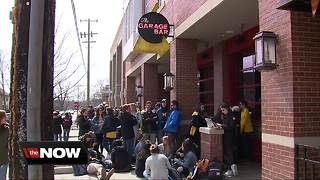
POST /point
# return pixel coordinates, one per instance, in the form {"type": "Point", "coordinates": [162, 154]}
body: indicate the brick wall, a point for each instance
{"type": "Point", "coordinates": [150, 84]}
{"type": "Point", "coordinates": [306, 73]}
{"type": "Point", "coordinates": [277, 86]}
{"type": "Point", "coordinates": [183, 65]}
{"type": "Point", "coordinates": [212, 146]}
{"type": "Point", "coordinates": [277, 162]}
{"type": "Point", "coordinates": [130, 90]}
{"type": "Point", "coordinates": [290, 94]}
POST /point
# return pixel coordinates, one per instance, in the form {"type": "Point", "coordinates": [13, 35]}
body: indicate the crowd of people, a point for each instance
{"type": "Point", "coordinates": [147, 139]}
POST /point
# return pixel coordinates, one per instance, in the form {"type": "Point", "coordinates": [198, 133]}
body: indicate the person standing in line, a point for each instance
{"type": "Point", "coordinates": [91, 112]}
{"type": "Point", "coordinates": [57, 126]}
{"type": "Point", "coordinates": [83, 121]}
{"type": "Point", "coordinates": [157, 165]}
{"type": "Point", "coordinates": [67, 123]}
{"type": "Point", "coordinates": [4, 135]}
{"type": "Point", "coordinates": [96, 126]}
{"type": "Point", "coordinates": [246, 130]}
{"type": "Point", "coordinates": [127, 132]}
{"type": "Point", "coordinates": [149, 122]}
{"type": "Point", "coordinates": [197, 121]}
{"type": "Point", "coordinates": [137, 115]}
{"type": "Point", "coordinates": [172, 125]}
{"type": "Point", "coordinates": [109, 129]}
{"type": "Point", "coordinates": [229, 139]}
{"type": "Point", "coordinates": [162, 115]}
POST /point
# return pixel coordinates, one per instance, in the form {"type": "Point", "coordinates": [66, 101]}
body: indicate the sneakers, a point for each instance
{"type": "Point", "coordinates": [234, 169]}
{"type": "Point", "coordinates": [228, 173]}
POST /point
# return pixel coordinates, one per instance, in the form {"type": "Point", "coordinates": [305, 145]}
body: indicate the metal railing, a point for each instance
{"type": "Point", "coordinates": [306, 160]}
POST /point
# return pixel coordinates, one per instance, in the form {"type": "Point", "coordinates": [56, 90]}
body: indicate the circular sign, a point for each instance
{"type": "Point", "coordinates": [153, 26]}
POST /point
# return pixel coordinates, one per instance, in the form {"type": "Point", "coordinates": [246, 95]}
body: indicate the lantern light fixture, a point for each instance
{"type": "Point", "coordinates": [168, 81]}
{"type": "Point", "coordinates": [139, 90]}
{"type": "Point", "coordinates": [265, 47]}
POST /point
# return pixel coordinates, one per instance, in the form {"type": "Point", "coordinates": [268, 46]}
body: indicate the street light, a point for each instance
{"type": "Point", "coordinates": [168, 81]}
{"type": "Point", "coordinates": [265, 43]}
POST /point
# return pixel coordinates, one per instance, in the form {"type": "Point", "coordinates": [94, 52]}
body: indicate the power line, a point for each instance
{"type": "Point", "coordinates": [77, 29]}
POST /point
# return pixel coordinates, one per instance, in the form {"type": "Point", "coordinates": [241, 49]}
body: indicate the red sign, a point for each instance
{"type": "Point", "coordinates": [76, 105]}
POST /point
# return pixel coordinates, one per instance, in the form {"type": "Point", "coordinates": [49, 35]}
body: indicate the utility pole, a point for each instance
{"type": "Point", "coordinates": [89, 34]}
{"type": "Point", "coordinates": [34, 79]}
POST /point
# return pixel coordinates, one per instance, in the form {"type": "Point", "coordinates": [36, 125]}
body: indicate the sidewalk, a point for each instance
{"type": "Point", "coordinates": [65, 172]}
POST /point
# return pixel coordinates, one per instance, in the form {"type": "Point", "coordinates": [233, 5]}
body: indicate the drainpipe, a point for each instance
{"type": "Point", "coordinates": [34, 80]}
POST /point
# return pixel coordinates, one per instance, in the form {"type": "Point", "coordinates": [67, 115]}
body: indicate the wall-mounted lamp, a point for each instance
{"type": "Point", "coordinates": [168, 81]}
{"type": "Point", "coordinates": [265, 43]}
{"type": "Point", "coordinates": [139, 90]}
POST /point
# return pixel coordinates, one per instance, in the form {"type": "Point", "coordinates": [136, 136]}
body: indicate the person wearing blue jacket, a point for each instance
{"type": "Point", "coordinates": [172, 125]}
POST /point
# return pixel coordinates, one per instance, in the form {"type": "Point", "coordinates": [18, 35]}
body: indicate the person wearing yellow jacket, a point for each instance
{"type": "Point", "coordinates": [246, 130]}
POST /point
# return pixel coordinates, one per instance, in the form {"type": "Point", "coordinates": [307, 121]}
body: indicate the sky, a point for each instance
{"type": "Point", "coordinates": [107, 12]}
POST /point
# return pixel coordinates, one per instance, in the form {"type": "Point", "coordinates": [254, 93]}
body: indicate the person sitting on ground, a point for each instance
{"type": "Point", "coordinates": [187, 165]}
{"type": "Point", "coordinates": [141, 158]}
{"type": "Point", "coordinates": [120, 157]}
{"type": "Point", "coordinates": [97, 164]}
{"type": "Point", "coordinates": [143, 140]}
{"type": "Point", "coordinates": [157, 165]}
{"type": "Point", "coordinates": [164, 146]}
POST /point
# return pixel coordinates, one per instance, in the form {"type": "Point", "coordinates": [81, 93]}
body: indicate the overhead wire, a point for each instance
{"type": "Point", "coordinates": [78, 34]}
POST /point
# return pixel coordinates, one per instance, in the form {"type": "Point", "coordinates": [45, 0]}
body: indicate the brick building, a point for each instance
{"type": "Point", "coordinates": [212, 59]}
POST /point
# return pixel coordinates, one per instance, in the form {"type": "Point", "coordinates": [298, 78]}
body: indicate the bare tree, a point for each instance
{"type": "Point", "coordinates": [64, 70]}
{"type": "Point", "coordinates": [4, 70]}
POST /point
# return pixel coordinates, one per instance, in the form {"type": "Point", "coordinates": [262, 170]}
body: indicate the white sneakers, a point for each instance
{"type": "Point", "coordinates": [232, 172]}
{"type": "Point", "coordinates": [228, 173]}
{"type": "Point", "coordinates": [234, 169]}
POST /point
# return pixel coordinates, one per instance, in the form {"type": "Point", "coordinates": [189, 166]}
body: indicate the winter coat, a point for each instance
{"type": "Point", "coordinates": [110, 124]}
{"type": "Point", "coordinates": [4, 135]}
{"type": "Point", "coordinates": [120, 158]}
{"type": "Point", "coordinates": [197, 121]}
{"type": "Point", "coordinates": [173, 122]}
{"type": "Point", "coordinates": [149, 121]}
{"type": "Point", "coordinates": [127, 123]}
{"type": "Point", "coordinates": [95, 125]}
{"type": "Point", "coordinates": [162, 116]}
{"type": "Point", "coordinates": [57, 125]}
{"type": "Point", "coordinates": [229, 126]}
{"type": "Point", "coordinates": [84, 125]}
{"type": "Point", "coordinates": [67, 123]}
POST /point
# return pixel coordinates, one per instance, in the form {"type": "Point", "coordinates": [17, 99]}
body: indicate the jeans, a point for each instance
{"type": "Point", "coordinates": [66, 133]}
{"type": "Point", "coordinates": [3, 171]}
{"type": "Point", "coordinates": [129, 144]}
{"type": "Point", "coordinates": [159, 136]}
{"type": "Point", "coordinates": [56, 136]}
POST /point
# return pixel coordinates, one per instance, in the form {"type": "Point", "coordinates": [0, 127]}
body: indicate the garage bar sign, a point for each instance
{"type": "Point", "coordinates": [153, 27]}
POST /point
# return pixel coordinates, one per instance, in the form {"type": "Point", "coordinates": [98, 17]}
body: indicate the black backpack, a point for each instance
{"type": "Point", "coordinates": [215, 170]}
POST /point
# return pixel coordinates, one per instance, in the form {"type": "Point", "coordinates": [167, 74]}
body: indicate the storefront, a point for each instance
{"type": "Point", "coordinates": [212, 59]}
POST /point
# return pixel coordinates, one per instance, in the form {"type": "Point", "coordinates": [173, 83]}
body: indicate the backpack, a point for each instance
{"type": "Point", "coordinates": [215, 170]}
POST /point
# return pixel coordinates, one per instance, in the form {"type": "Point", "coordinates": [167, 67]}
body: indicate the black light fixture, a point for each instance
{"type": "Point", "coordinates": [139, 90]}
{"type": "Point", "coordinates": [265, 43]}
{"type": "Point", "coordinates": [168, 81]}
